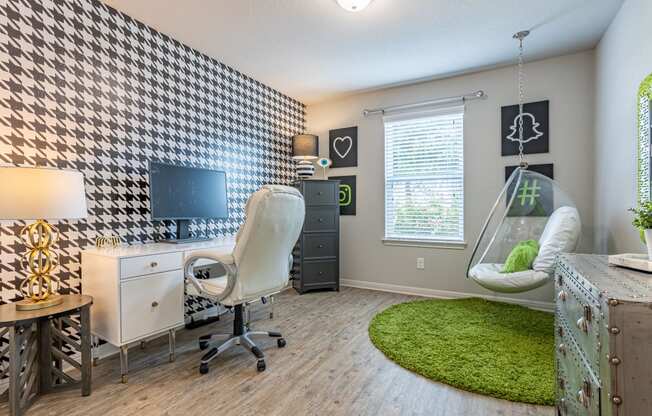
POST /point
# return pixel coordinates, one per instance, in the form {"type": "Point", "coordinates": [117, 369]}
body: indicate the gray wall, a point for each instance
{"type": "Point", "coordinates": [623, 59]}
{"type": "Point", "coordinates": [566, 81]}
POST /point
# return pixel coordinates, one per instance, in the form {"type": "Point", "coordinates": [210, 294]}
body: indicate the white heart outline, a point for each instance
{"type": "Point", "coordinates": [342, 139]}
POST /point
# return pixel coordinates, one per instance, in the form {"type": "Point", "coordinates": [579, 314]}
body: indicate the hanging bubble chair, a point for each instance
{"type": "Point", "coordinates": [530, 206]}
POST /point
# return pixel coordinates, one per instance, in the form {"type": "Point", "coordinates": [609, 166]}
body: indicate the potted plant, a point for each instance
{"type": "Point", "coordinates": [643, 222]}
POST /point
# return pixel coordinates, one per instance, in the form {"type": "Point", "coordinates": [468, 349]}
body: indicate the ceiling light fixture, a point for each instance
{"type": "Point", "coordinates": [353, 5]}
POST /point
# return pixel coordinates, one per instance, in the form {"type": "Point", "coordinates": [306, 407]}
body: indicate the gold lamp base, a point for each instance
{"type": "Point", "coordinates": [30, 305]}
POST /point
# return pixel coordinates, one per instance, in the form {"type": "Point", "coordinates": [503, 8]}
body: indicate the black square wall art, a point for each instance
{"type": "Point", "coordinates": [536, 128]}
{"type": "Point", "coordinates": [535, 196]}
{"type": "Point", "coordinates": [343, 147]}
{"type": "Point", "coordinates": [347, 194]}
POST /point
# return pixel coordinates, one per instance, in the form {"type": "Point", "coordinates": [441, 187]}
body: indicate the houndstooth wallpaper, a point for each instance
{"type": "Point", "coordinates": [85, 87]}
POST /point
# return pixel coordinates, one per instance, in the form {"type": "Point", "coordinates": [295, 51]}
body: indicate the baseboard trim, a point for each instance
{"type": "Point", "coordinates": [444, 294]}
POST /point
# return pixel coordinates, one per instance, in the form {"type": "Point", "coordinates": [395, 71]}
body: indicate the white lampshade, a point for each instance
{"type": "Point", "coordinates": [41, 193]}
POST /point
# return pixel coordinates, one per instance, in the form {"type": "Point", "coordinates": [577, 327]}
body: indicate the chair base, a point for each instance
{"type": "Point", "coordinates": [241, 336]}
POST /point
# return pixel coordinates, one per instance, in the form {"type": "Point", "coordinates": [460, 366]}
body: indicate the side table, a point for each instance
{"type": "Point", "coordinates": [40, 345]}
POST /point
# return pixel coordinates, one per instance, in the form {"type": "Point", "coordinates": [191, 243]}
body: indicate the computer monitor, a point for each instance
{"type": "Point", "coordinates": [183, 193]}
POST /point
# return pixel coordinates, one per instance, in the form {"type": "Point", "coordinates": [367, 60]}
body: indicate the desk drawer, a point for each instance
{"type": "Point", "coordinates": [321, 219]}
{"type": "Point", "coordinates": [151, 304]}
{"type": "Point", "coordinates": [143, 265]}
{"type": "Point", "coordinates": [319, 245]}
{"type": "Point", "coordinates": [321, 193]}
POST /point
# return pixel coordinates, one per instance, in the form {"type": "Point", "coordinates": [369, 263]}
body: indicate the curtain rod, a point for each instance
{"type": "Point", "coordinates": [466, 97]}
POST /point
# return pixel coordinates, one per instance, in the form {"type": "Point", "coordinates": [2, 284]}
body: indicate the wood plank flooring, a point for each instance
{"type": "Point", "coordinates": [329, 367]}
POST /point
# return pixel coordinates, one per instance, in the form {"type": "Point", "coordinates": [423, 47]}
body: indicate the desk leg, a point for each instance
{"type": "Point", "coordinates": [124, 363]}
{"type": "Point", "coordinates": [172, 342]}
{"type": "Point", "coordinates": [86, 359]}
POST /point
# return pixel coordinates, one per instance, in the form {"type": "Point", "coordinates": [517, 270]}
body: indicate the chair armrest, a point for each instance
{"type": "Point", "coordinates": [225, 259]}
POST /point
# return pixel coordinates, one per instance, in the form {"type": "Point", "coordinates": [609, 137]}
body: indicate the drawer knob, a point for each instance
{"type": "Point", "coordinates": [320, 220]}
{"type": "Point", "coordinates": [582, 324]}
{"type": "Point", "coordinates": [320, 246]}
{"type": "Point", "coordinates": [562, 348]}
{"type": "Point", "coordinates": [616, 400]}
{"type": "Point", "coordinates": [614, 330]}
{"type": "Point", "coordinates": [154, 304]}
{"type": "Point", "coordinates": [321, 273]}
{"type": "Point", "coordinates": [153, 264]}
{"type": "Point", "coordinates": [562, 296]}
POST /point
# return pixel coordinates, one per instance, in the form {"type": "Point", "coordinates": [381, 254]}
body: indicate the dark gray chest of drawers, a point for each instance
{"type": "Point", "coordinates": [317, 253]}
{"type": "Point", "coordinates": [603, 335]}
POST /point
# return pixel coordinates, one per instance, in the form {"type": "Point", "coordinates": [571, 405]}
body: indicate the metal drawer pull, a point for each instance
{"type": "Point", "coordinates": [614, 360]}
{"type": "Point", "coordinates": [562, 348]}
{"type": "Point", "coordinates": [321, 220]}
{"type": "Point", "coordinates": [320, 246]}
{"type": "Point", "coordinates": [154, 304]}
{"type": "Point", "coordinates": [562, 296]}
{"type": "Point", "coordinates": [581, 397]}
{"type": "Point", "coordinates": [616, 400]}
{"type": "Point", "coordinates": [582, 324]}
{"type": "Point", "coordinates": [614, 330]}
{"type": "Point", "coordinates": [153, 264]}
{"type": "Point", "coordinates": [321, 273]}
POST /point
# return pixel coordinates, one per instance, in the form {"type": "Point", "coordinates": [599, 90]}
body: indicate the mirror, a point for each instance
{"type": "Point", "coordinates": [644, 133]}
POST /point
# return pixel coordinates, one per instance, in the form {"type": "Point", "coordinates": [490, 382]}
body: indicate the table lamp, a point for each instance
{"type": "Point", "coordinates": [39, 194]}
{"type": "Point", "coordinates": [305, 149]}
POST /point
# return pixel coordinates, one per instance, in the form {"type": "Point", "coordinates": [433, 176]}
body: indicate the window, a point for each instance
{"type": "Point", "coordinates": [424, 177]}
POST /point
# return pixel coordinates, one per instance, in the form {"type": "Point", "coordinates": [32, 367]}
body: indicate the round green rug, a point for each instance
{"type": "Point", "coordinates": [496, 349]}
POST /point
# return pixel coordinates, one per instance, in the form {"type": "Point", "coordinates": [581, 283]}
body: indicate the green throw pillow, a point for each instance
{"type": "Point", "coordinates": [521, 257]}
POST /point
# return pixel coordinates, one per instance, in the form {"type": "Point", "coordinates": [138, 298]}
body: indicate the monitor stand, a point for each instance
{"type": "Point", "coordinates": [183, 234]}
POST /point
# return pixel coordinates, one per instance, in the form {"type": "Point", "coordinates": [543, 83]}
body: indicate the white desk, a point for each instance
{"type": "Point", "coordinates": [138, 290]}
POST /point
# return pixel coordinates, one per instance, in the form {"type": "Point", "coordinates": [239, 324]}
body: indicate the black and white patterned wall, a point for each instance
{"type": "Point", "coordinates": [85, 87]}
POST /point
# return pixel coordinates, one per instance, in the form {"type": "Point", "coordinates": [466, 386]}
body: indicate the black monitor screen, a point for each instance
{"type": "Point", "coordinates": [178, 192]}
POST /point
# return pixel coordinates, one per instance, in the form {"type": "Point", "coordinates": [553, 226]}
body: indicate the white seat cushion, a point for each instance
{"type": "Point", "coordinates": [215, 286]}
{"type": "Point", "coordinates": [489, 276]}
{"type": "Point", "coordinates": [561, 235]}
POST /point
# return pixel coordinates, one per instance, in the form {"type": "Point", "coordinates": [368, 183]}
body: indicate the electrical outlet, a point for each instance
{"type": "Point", "coordinates": [421, 263]}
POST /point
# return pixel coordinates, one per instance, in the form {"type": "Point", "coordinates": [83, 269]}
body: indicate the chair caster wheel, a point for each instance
{"type": "Point", "coordinates": [281, 342]}
{"type": "Point", "coordinates": [203, 368]}
{"type": "Point", "coordinates": [260, 366]}
{"type": "Point", "coordinates": [203, 345]}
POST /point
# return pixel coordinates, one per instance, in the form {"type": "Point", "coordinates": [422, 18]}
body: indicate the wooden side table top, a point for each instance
{"type": "Point", "coordinates": [10, 316]}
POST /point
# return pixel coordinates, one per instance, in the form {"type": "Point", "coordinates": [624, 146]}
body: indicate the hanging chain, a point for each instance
{"type": "Point", "coordinates": [521, 95]}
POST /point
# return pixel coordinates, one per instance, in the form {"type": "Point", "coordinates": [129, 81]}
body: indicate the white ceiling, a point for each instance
{"type": "Point", "coordinates": [313, 50]}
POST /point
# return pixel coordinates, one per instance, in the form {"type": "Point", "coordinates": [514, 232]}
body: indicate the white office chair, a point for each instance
{"type": "Point", "coordinates": [258, 266]}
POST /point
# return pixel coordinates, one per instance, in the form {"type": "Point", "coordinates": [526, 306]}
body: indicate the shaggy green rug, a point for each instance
{"type": "Point", "coordinates": [496, 349]}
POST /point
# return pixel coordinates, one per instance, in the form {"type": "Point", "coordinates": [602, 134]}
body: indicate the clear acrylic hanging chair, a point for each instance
{"type": "Point", "coordinates": [530, 206]}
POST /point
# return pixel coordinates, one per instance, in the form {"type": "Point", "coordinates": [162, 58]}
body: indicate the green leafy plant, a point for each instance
{"type": "Point", "coordinates": [643, 216]}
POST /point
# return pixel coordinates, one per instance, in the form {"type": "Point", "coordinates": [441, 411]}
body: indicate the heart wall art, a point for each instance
{"type": "Point", "coordinates": [343, 147]}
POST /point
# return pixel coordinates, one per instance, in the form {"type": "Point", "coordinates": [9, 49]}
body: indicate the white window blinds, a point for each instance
{"type": "Point", "coordinates": [424, 176]}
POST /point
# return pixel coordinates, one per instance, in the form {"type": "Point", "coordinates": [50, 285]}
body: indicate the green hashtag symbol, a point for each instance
{"type": "Point", "coordinates": [528, 192]}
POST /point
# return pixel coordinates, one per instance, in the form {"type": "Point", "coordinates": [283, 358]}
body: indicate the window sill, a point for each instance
{"type": "Point", "coordinates": [441, 244]}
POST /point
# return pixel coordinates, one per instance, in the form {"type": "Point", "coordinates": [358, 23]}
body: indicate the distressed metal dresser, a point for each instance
{"type": "Point", "coordinates": [603, 335]}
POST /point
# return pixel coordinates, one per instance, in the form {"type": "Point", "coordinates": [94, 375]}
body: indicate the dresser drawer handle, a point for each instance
{"type": "Point", "coordinates": [562, 348]}
{"type": "Point", "coordinates": [320, 220]}
{"type": "Point", "coordinates": [562, 296]}
{"type": "Point", "coordinates": [582, 324]}
{"type": "Point", "coordinates": [321, 273]}
{"type": "Point", "coordinates": [320, 193]}
{"type": "Point", "coordinates": [153, 264]}
{"type": "Point", "coordinates": [154, 304]}
{"type": "Point", "coordinates": [581, 397]}
{"type": "Point", "coordinates": [320, 246]}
